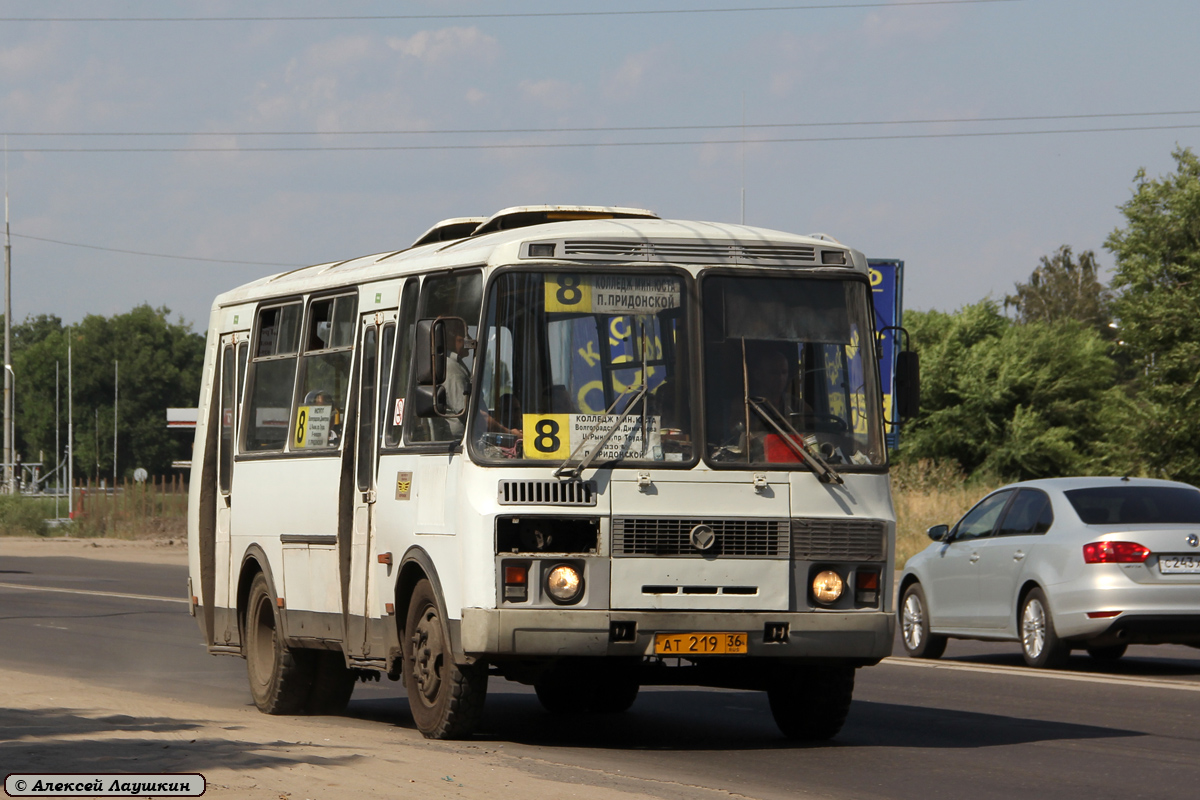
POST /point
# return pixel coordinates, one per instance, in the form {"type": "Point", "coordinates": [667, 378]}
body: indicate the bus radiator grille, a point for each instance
{"type": "Point", "coordinates": [839, 540]}
{"type": "Point", "coordinates": [735, 538]}
{"type": "Point", "coordinates": [547, 493]}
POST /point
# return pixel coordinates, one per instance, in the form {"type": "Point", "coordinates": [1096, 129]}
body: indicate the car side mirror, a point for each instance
{"type": "Point", "coordinates": [908, 383]}
{"type": "Point", "coordinates": [437, 339]}
{"type": "Point", "coordinates": [939, 533]}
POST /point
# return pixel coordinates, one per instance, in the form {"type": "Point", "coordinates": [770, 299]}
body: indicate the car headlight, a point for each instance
{"type": "Point", "coordinates": [564, 584]}
{"type": "Point", "coordinates": [827, 586]}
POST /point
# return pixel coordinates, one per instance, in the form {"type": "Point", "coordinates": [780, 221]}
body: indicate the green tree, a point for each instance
{"type": "Point", "coordinates": [1063, 288]}
{"type": "Point", "coordinates": [1015, 400]}
{"type": "Point", "coordinates": [1158, 308]}
{"type": "Point", "coordinates": [160, 363]}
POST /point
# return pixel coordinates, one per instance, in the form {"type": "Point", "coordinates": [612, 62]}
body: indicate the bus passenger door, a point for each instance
{"type": "Point", "coordinates": [376, 335]}
{"type": "Point", "coordinates": [231, 381]}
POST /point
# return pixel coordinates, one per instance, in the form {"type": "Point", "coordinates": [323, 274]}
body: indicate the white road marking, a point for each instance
{"type": "Point", "coordinates": [95, 592]}
{"type": "Point", "coordinates": [1057, 675]}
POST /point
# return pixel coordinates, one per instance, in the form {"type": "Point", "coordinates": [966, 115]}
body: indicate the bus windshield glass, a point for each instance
{"type": "Point", "coordinates": [564, 355]}
{"type": "Point", "coordinates": [804, 346]}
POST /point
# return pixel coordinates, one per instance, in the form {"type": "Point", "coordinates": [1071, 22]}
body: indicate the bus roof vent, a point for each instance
{"type": "Point", "coordinates": [448, 230]}
{"type": "Point", "coordinates": [688, 251]}
{"type": "Point", "coordinates": [524, 216]}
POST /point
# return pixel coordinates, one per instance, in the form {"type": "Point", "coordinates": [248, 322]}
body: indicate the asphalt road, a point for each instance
{"type": "Point", "coordinates": [975, 724]}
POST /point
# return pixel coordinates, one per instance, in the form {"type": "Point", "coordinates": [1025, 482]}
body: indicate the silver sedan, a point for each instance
{"type": "Point", "coordinates": [1060, 564]}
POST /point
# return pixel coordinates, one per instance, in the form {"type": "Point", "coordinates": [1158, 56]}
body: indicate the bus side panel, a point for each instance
{"type": "Point", "coordinates": [202, 489]}
{"type": "Point", "coordinates": [293, 516]}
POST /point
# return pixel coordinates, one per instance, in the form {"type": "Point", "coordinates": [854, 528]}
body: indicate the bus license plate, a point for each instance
{"type": "Point", "coordinates": [1176, 564]}
{"type": "Point", "coordinates": [707, 643]}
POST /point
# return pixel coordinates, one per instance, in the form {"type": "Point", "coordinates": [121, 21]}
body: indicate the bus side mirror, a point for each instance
{"type": "Point", "coordinates": [436, 340]}
{"type": "Point", "coordinates": [908, 383]}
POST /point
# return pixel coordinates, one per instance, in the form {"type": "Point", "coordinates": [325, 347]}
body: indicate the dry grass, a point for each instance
{"type": "Point", "coordinates": [928, 493]}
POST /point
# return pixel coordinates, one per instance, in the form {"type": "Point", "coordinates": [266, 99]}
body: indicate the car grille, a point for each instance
{"type": "Point", "coordinates": [839, 540]}
{"type": "Point", "coordinates": [736, 538]}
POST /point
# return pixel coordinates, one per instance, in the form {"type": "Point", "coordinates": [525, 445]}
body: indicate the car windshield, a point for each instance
{"type": "Point", "coordinates": [564, 354]}
{"type": "Point", "coordinates": [805, 347]}
{"type": "Point", "coordinates": [1136, 505]}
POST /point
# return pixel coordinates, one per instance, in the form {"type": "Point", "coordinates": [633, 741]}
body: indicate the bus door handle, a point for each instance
{"type": "Point", "coordinates": [368, 497]}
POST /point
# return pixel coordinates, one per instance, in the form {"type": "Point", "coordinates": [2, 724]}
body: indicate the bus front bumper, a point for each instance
{"type": "Point", "coordinates": [865, 635]}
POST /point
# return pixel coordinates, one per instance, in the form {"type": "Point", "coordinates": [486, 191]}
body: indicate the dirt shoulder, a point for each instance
{"type": "Point", "coordinates": [66, 725]}
{"type": "Point", "coordinates": [142, 551]}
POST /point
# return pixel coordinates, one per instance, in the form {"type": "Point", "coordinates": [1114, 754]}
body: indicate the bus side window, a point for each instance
{"type": "Point", "coordinates": [388, 347]}
{"type": "Point", "coordinates": [320, 412]}
{"type": "Point", "coordinates": [459, 294]}
{"type": "Point", "coordinates": [394, 409]}
{"type": "Point", "coordinates": [272, 377]}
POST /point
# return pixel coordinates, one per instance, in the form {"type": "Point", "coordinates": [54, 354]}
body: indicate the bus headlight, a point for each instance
{"type": "Point", "coordinates": [564, 584]}
{"type": "Point", "coordinates": [827, 586]}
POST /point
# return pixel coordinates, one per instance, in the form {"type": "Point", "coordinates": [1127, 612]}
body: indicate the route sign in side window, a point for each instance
{"type": "Point", "coordinates": [981, 520]}
{"type": "Point", "coordinates": [272, 377]}
{"type": "Point", "coordinates": [1030, 512]}
{"type": "Point", "coordinates": [324, 378]}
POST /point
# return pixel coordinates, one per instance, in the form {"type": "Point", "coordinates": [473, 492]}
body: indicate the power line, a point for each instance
{"type": "Point", "coordinates": [515, 14]}
{"type": "Point", "coordinates": [153, 255]}
{"type": "Point", "coordinates": [578, 145]}
{"type": "Point", "coordinates": [610, 128]}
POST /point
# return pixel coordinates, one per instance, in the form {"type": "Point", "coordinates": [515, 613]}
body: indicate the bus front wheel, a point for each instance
{"type": "Point", "coordinates": [811, 704]}
{"type": "Point", "coordinates": [445, 698]}
{"type": "Point", "coordinates": [280, 677]}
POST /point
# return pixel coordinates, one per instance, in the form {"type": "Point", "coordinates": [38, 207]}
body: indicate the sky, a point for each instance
{"type": "Point", "coordinates": [888, 125]}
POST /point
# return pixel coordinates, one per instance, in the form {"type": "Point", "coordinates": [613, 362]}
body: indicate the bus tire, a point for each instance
{"type": "Point", "coordinates": [281, 677]}
{"type": "Point", "coordinates": [445, 698]}
{"type": "Point", "coordinates": [614, 696]}
{"type": "Point", "coordinates": [333, 683]}
{"type": "Point", "coordinates": [810, 704]}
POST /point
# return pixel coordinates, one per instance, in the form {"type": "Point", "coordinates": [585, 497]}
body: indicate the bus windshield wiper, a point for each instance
{"type": "Point", "coordinates": [572, 472]}
{"type": "Point", "coordinates": [794, 440]}
{"type": "Point", "coordinates": [568, 471]}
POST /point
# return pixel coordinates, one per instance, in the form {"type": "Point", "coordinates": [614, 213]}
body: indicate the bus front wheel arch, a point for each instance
{"type": "Point", "coordinates": [445, 698]}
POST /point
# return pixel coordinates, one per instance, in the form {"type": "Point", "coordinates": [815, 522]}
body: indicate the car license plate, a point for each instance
{"type": "Point", "coordinates": [1177, 564]}
{"type": "Point", "coordinates": [707, 643]}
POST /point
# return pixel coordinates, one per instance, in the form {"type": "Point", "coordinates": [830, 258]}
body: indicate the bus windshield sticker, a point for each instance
{"type": "Point", "coordinates": [556, 436]}
{"type": "Point", "coordinates": [611, 294]}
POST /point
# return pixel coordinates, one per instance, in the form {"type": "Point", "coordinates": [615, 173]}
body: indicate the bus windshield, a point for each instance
{"type": "Point", "coordinates": [804, 346]}
{"type": "Point", "coordinates": [563, 355]}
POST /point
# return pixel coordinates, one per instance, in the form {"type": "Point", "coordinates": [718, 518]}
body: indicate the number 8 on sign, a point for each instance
{"type": "Point", "coordinates": [568, 292]}
{"type": "Point", "coordinates": [546, 436]}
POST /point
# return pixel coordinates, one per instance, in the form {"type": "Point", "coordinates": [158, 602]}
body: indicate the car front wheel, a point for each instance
{"type": "Point", "coordinates": [1039, 643]}
{"type": "Point", "coordinates": [914, 626]}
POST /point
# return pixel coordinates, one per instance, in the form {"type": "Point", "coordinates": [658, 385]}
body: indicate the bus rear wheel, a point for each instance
{"type": "Point", "coordinates": [445, 698]}
{"type": "Point", "coordinates": [281, 677]}
{"type": "Point", "coordinates": [810, 704]}
{"type": "Point", "coordinates": [333, 683]}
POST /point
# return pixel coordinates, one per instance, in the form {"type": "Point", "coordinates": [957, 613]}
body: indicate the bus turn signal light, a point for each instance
{"type": "Point", "coordinates": [1115, 553]}
{"type": "Point", "coordinates": [516, 583]}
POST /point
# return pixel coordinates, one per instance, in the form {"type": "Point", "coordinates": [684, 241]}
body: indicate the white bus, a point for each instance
{"type": "Point", "coordinates": [582, 448]}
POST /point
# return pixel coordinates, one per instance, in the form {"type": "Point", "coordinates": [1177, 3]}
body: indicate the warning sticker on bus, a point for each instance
{"type": "Point", "coordinates": [556, 436]}
{"type": "Point", "coordinates": [612, 294]}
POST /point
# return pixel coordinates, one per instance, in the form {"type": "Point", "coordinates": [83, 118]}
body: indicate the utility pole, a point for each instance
{"type": "Point", "coordinates": [116, 394]}
{"type": "Point", "coordinates": [57, 449]}
{"type": "Point", "coordinates": [10, 482]}
{"type": "Point", "coordinates": [70, 431]}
